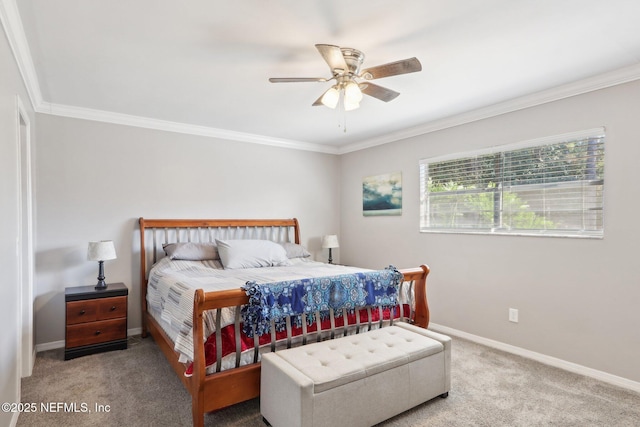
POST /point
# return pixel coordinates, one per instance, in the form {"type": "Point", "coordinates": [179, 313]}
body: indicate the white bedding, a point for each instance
{"type": "Point", "coordinates": [172, 286]}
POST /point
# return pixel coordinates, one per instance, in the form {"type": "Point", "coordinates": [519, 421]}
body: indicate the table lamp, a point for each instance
{"type": "Point", "coordinates": [101, 251]}
{"type": "Point", "coordinates": [330, 241]}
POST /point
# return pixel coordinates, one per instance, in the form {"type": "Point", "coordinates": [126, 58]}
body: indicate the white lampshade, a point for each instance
{"type": "Point", "coordinates": [331, 97]}
{"type": "Point", "coordinates": [101, 251]}
{"type": "Point", "coordinates": [348, 106]}
{"type": "Point", "coordinates": [330, 241]}
{"type": "Point", "coordinates": [352, 93]}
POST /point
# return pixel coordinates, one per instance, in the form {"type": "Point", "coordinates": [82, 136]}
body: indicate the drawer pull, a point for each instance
{"type": "Point", "coordinates": [97, 332]}
{"type": "Point", "coordinates": [82, 312]}
{"type": "Point", "coordinates": [113, 308]}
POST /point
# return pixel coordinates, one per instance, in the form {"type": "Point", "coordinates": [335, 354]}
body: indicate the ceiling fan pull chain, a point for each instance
{"type": "Point", "coordinates": [344, 115]}
{"type": "Point", "coordinates": [344, 112]}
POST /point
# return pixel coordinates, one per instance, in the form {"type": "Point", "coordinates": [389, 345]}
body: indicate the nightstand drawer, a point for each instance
{"type": "Point", "coordinates": [96, 332]}
{"type": "Point", "coordinates": [96, 309]}
{"type": "Point", "coordinates": [82, 311]}
{"type": "Point", "coordinates": [112, 308]}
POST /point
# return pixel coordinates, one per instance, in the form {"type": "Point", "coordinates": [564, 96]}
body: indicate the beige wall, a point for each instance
{"type": "Point", "coordinates": [11, 85]}
{"type": "Point", "coordinates": [96, 179]}
{"type": "Point", "coordinates": [577, 299]}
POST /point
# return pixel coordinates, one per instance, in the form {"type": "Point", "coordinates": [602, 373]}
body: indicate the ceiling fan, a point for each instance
{"type": "Point", "coordinates": [351, 82]}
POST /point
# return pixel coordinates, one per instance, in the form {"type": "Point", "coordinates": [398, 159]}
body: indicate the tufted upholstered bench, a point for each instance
{"type": "Point", "coordinates": [355, 380]}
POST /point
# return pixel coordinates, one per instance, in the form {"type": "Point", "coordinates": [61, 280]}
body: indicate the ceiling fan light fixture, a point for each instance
{"type": "Point", "coordinates": [352, 93]}
{"type": "Point", "coordinates": [331, 97]}
{"type": "Point", "coordinates": [348, 106]}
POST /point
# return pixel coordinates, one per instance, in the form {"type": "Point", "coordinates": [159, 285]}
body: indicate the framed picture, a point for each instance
{"type": "Point", "coordinates": [382, 194]}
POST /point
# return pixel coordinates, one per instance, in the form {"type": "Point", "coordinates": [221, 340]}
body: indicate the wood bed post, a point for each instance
{"type": "Point", "coordinates": [143, 278]}
{"type": "Point", "coordinates": [199, 363]}
{"type": "Point", "coordinates": [296, 231]}
{"type": "Point", "coordinates": [422, 307]}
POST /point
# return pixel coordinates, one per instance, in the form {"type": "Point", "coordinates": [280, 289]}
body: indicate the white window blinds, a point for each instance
{"type": "Point", "coordinates": [550, 187]}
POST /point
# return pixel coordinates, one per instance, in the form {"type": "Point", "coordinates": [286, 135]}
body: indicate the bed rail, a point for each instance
{"type": "Point", "coordinates": [414, 310]}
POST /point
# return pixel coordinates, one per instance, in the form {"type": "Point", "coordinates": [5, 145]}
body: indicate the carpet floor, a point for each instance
{"type": "Point", "coordinates": [137, 387]}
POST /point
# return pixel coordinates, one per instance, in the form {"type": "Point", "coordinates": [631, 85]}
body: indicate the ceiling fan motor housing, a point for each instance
{"type": "Point", "coordinates": [353, 58]}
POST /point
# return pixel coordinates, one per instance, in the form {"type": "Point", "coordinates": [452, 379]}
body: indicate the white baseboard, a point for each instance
{"type": "Point", "coordinates": [134, 331]}
{"type": "Point", "coordinates": [60, 344]}
{"type": "Point", "coordinates": [542, 358]}
{"type": "Point", "coordinates": [49, 346]}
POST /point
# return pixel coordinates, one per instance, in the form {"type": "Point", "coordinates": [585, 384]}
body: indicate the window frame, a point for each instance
{"type": "Point", "coordinates": [598, 132]}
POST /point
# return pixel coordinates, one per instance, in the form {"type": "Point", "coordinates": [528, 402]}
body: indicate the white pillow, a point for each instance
{"type": "Point", "coordinates": [295, 250]}
{"type": "Point", "coordinates": [251, 253]}
{"type": "Point", "coordinates": [191, 251]}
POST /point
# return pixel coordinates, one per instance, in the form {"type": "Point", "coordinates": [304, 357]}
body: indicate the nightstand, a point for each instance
{"type": "Point", "coordinates": [96, 321]}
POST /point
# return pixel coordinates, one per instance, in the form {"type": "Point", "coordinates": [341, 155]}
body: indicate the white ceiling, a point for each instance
{"type": "Point", "coordinates": [202, 66]}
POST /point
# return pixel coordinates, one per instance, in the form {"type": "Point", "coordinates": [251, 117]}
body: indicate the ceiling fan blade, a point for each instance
{"type": "Point", "coordinates": [297, 79]}
{"type": "Point", "coordinates": [404, 66]}
{"type": "Point", "coordinates": [382, 93]}
{"type": "Point", "coordinates": [333, 56]}
{"type": "Point", "coordinates": [318, 101]}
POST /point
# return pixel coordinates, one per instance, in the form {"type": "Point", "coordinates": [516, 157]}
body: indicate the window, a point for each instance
{"type": "Point", "coordinates": [551, 186]}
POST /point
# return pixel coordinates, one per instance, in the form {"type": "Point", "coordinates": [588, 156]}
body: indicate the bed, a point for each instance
{"type": "Point", "coordinates": [203, 338]}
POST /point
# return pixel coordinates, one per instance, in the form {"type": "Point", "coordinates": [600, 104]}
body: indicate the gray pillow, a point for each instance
{"type": "Point", "coordinates": [191, 251]}
{"type": "Point", "coordinates": [295, 251]}
{"type": "Point", "coordinates": [251, 254]}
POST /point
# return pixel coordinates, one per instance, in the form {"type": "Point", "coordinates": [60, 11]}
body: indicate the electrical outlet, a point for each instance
{"type": "Point", "coordinates": [513, 315]}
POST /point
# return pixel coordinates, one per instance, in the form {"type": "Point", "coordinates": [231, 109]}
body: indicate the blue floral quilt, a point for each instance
{"type": "Point", "coordinates": [276, 300]}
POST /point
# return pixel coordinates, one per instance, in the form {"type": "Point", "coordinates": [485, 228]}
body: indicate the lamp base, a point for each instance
{"type": "Point", "coordinates": [101, 285]}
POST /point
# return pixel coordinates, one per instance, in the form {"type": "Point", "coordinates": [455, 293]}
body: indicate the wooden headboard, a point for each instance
{"type": "Point", "coordinates": [161, 231]}
{"type": "Point", "coordinates": [156, 232]}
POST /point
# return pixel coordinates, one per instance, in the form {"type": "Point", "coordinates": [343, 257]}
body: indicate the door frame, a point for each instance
{"type": "Point", "coordinates": [25, 247]}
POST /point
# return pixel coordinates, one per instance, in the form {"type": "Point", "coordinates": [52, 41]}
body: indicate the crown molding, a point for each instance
{"type": "Point", "coordinates": [184, 128]}
{"type": "Point", "coordinates": [602, 81]}
{"type": "Point", "coordinates": [12, 24]}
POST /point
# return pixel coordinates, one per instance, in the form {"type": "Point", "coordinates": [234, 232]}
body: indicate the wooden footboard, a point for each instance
{"type": "Point", "coordinates": [227, 387]}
